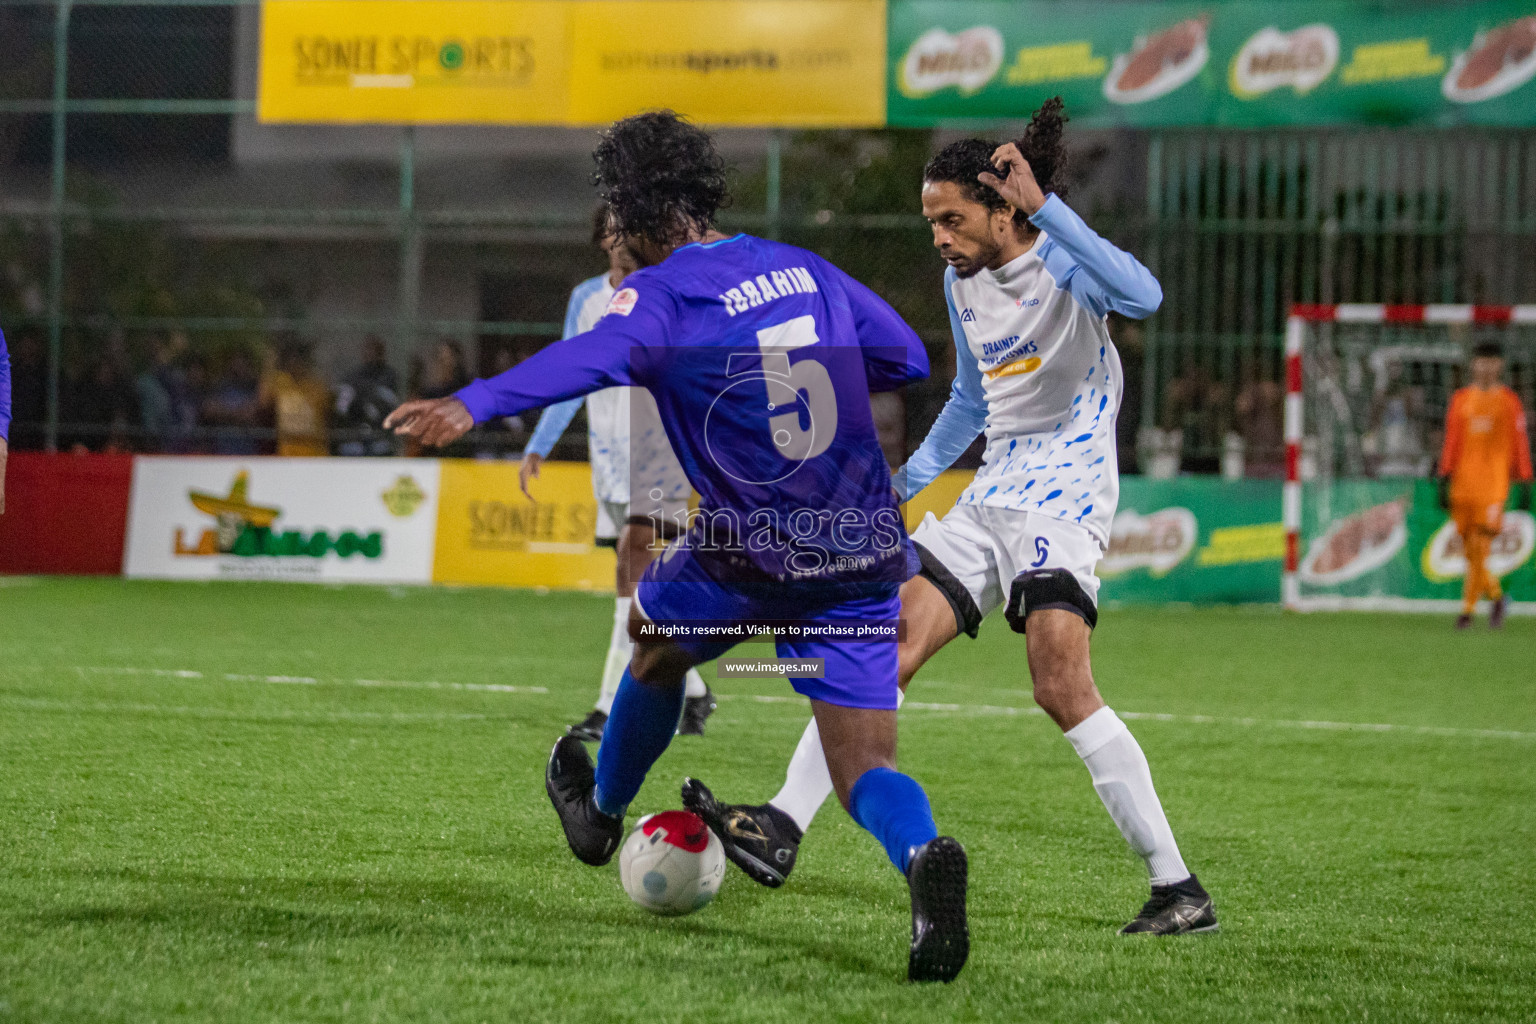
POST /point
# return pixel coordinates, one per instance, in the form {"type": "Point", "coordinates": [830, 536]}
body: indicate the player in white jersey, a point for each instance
{"type": "Point", "coordinates": [1028, 287]}
{"type": "Point", "coordinates": [642, 493]}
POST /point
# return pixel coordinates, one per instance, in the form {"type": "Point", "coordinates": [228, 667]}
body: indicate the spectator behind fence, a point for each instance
{"type": "Point", "coordinates": [291, 389]}
{"type": "Point", "coordinates": [364, 398]}
{"type": "Point", "coordinates": [1197, 405]}
{"type": "Point", "coordinates": [445, 372]}
{"type": "Point", "coordinates": [1260, 421]}
{"type": "Point", "coordinates": [102, 402]}
{"type": "Point", "coordinates": [502, 438]}
{"type": "Point", "coordinates": [29, 389]}
{"type": "Point", "coordinates": [1397, 440]}
{"type": "Point", "coordinates": [233, 406]}
{"type": "Point", "coordinates": [167, 402]}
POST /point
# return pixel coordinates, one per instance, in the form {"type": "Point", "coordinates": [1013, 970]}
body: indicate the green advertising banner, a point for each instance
{"type": "Point", "coordinates": [1197, 539]}
{"type": "Point", "coordinates": [1376, 539]}
{"type": "Point", "coordinates": [1312, 62]}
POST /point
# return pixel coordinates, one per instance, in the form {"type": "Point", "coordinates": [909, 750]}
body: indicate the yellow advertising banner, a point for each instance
{"type": "Point", "coordinates": [808, 63]}
{"type": "Point", "coordinates": [938, 497]}
{"type": "Point", "coordinates": [489, 534]}
{"type": "Point", "coordinates": [722, 62]}
{"type": "Point", "coordinates": [415, 61]}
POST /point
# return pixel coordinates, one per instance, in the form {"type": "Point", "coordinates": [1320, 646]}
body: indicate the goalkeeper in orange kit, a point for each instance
{"type": "Point", "coordinates": [1485, 447]}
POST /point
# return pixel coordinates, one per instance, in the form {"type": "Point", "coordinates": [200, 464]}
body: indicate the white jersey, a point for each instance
{"type": "Point", "coordinates": [628, 449]}
{"type": "Point", "coordinates": [1036, 369]}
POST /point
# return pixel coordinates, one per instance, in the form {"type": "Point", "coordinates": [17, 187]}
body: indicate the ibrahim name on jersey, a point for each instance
{"type": "Point", "coordinates": [761, 357]}
{"type": "Point", "coordinates": [626, 444]}
{"type": "Point", "coordinates": [1035, 369]}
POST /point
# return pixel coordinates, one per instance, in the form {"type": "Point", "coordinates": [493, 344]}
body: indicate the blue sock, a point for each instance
{"type": "Point", "coordinates": [894, 808]}
{"type": "Point", "coordinates": [639, 728]}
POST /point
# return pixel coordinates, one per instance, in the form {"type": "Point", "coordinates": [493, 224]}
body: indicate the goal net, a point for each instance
{"type": "Point", "coordinates": [1367, 391]}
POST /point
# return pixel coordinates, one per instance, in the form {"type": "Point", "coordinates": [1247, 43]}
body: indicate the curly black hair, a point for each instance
{"type": "Point", "coordinates": [602, 225]}
{"type": "Point", "coordinates": [660, 176]}
{"type": "Point", "coordinates": [1041, 144]}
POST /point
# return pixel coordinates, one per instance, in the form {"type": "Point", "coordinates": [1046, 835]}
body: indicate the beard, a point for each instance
{"type": "Point", "coordinates": [985, 255]}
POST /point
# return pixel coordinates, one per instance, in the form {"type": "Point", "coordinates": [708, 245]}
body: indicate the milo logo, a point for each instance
{"type": "Point", "coordinates": [1272, 59]}
{"type": "Point", "coordinates": [938, 60]}
{"type": "Point", "coordinates": [1156, 542]}
{"type": "Point", "coordinates": [1445, 559]}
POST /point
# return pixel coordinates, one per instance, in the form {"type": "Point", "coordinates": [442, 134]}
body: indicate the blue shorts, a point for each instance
{"type": "Point", "coordinates": [680, 588]}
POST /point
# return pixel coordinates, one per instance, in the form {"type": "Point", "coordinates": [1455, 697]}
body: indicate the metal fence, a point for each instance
{"type": "Point", "coordinates": [141, 204]}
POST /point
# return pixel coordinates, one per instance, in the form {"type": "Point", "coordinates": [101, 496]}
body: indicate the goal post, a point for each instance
{"type": "Point", "coordinates": [1367, 387]}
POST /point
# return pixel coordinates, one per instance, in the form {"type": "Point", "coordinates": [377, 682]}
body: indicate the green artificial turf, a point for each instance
{"type": "Point", "coordinates": [190, 831]}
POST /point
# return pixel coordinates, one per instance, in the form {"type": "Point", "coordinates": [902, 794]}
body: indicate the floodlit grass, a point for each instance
{"type": "Point", "coordinates": [211, 809]}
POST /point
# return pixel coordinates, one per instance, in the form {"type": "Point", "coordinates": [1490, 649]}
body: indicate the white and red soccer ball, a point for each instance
{"type": "Point", "coordinates": [672, 864]}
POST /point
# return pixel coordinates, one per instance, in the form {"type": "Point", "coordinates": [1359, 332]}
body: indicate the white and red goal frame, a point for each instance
{"type": "Point", "coordinates": [1301, 316]}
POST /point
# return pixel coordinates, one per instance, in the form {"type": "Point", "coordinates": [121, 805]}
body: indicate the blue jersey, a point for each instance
{"type": "Point", "coordinates": [761, 357]}
{"type": "Point", "coordinates": [5, 390]}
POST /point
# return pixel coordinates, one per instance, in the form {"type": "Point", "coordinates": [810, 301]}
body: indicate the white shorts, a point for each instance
{"type": "Point", "coordinates": [670, 513]}
{"type": "Point", "coordinates": [982, 557]}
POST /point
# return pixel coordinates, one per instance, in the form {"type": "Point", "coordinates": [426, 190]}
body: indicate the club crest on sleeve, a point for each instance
{"type": "Point", "coordinates": [623, 302]}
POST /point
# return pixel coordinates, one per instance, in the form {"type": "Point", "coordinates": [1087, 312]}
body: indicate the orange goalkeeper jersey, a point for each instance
{"type": "Point", "coordinates": [1485, 445]}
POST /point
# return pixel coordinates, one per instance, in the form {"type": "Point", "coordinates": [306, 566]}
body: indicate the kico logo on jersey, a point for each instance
{"type": "Point", "coordinates": [247, 530]}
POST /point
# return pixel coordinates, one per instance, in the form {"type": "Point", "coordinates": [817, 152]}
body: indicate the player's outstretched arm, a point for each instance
{"type": "Point", "coordinates": [556, 418]}
{"type": "Point", "coordinates": [963, 417]}
{"type": "Point", "coordinates": [432, 421]}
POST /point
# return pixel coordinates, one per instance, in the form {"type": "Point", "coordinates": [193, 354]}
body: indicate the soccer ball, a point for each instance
{"type": "Point", "coordinates": [672, 863]}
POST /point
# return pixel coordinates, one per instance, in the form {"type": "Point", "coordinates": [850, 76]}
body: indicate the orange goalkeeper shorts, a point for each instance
{"type": "Point", "coordinates": [1480, 516]}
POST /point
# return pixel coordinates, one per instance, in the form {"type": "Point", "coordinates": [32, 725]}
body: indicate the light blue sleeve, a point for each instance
{"type": "Point", "coordinates": [1100, 275]}
{"type": "Point", "coordinates": [963, 417]}
{"type": "Point", "coordinates": [556, 418]}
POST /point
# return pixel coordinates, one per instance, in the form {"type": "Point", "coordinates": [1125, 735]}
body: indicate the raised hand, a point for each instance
{"type": "Point", "coordinates": [432, 421]}
{"type": "Point", "coordinates": [1020, 187]}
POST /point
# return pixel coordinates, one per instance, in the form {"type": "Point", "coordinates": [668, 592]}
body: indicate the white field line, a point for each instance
{"type": "Point", "coordinates": [117, 707]}
{"type": "Point", "coordinates": [236, 677]}
{"type": "Point", "coordinates": [1274, 723]}
{"type": "Point", "coordinates": [911, 705]}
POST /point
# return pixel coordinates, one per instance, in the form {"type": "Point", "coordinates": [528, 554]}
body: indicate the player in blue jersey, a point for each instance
{"type": "Point", "coordinates": [1028, 287]}
{"type": "Point", "coordinates": [761, 358]}
{"type": "Point", "coordinates": [641, 492]}
{"type": "Point", "coordinates": [5, 415]}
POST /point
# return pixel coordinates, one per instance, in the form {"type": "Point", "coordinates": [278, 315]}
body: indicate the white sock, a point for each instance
{"type": "Point", "coordinates": [695, 687]}
{"type": "Point", "coordinates": [620, 649]}
{"type": "Point", "coordinates": [807, 783]}
{"type": "Point", "coordinates": [1123, 781]}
